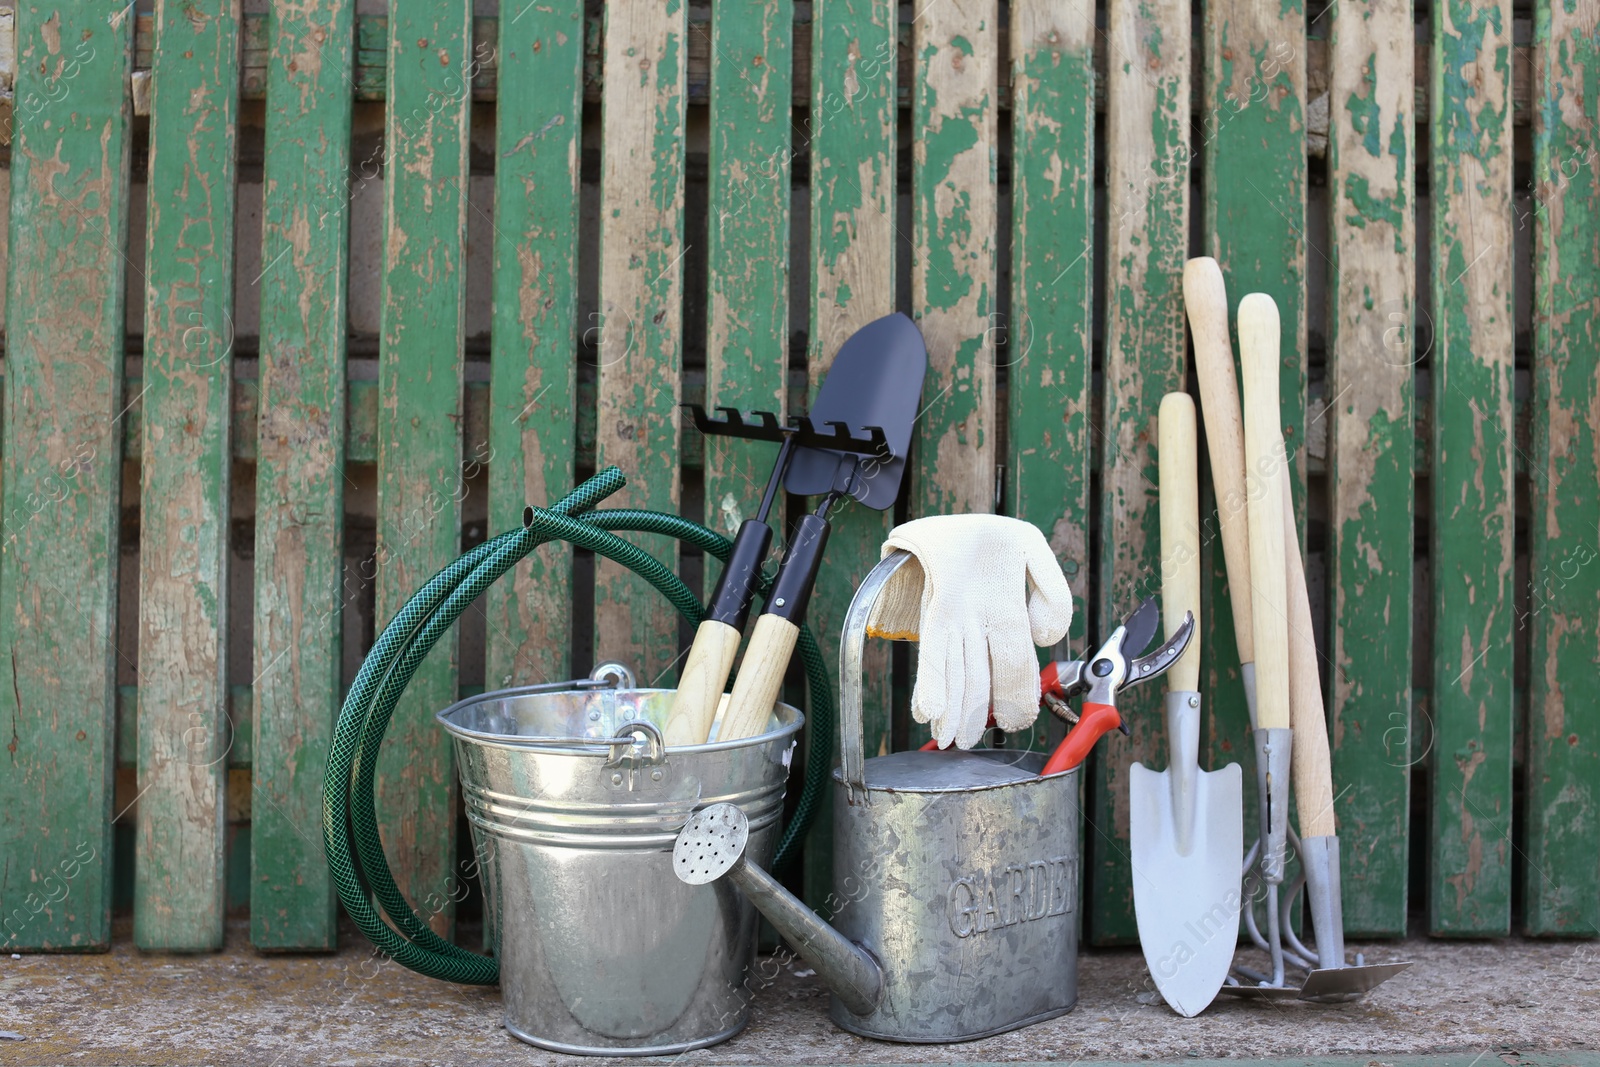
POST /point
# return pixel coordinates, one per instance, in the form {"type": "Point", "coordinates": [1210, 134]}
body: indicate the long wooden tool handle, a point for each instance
{"type": "Point", "coordinates": [1180, 533]}
{"type": "Point", "coordinates": [1263, 444]}
{"type": "Point", "coordinates": [1311, 770]}
{"type": "Point", "coordinates": [705, 672]}
{"type": "Point", "coordinates": [1206, 300]}
{"type": "Point", "coordinates": [755, 690]}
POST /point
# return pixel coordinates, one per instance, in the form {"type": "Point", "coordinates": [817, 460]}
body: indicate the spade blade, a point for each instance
{"type": "Point", "coordinates": [875, 380]}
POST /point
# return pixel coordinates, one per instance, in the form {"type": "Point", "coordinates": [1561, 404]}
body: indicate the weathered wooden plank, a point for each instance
{"type": "Point", "coordinates": [62, 474]}
{"type": "Point", "coordinates": [1147, 190]}
{"type": "Point", "coordinates": [419, 415]}
{"type": "Point", "coordinates": [1049, 336]}
{"type": "Point", "coordinates": [371, 61]}
{"type": "Point", "coordinates": [639, 343]}
{"type": "Point", "coordinates": [1473, 529]}
{"type": "Point", "coordinates": [533, 376]}
{"type": "Point", "coordinates": [1252, 145]}
{"type": "Point", "coordinates": [183, 543]}
{"type": "Point", "coordinates": [1563, 835]}
{"type": "Point", "coordinates": [747, 254]}
{"type": "Point", "coordinates": [1370, 452]}
{"type": "Point", "coordinates": [851, 137]}
{"type": "Point", "coordinates": [953, 206]}
{"type": "Point", "coordinates": [300, 457]}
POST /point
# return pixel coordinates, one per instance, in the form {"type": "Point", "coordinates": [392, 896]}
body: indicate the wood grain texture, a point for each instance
{"type": "Point", "coordinates": [953, 206]}
{"type": "Point", "coordinates": [184, 732]}
{"type": "Point", "coordinates": [1260, 331]}
{"type": "Point", "coordinates": [300, 457]}
{"type": "Point", "coordinates": [747, 251]}
{"type": "Point", "coordinates": [1473, 540]}
{"type": "Point", "coordinates": [1563, 835]}
{"type": "Point", "coordinates": [1370, 453]}
{"type": "Point", "coordinates": [419, 421]}
{"type": "Point", "coordinates": [851, 136]}
{"type": "Point", "coordinates": [755, 690]}
{"type": "Point", "coordinates": [62, 474]}
{"type": "Point", "coordinates": [1049, 337]}
{"type": "Point", "coordinates": [1147, 230]}
{"type": "Point", "coordinates": [1252, 133]}
{"type": "Point", "coordinates": [1310, 769]}
{"type": "Point", "coordinates": [1180, 535]}
{"type": "Point", "coordinates": [640, 342]}
{"type": "Point", "coordinates": [532, 449]}
{"type": "Point", "coordinates": [700, 684]}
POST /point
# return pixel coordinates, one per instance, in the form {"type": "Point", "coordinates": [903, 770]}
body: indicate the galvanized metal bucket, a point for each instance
{"type": "Point", "coordinates": [574, 804]}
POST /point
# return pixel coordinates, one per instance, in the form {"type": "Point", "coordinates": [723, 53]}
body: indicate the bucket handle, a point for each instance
{"type": "Point", "coordinates": [852, 647]}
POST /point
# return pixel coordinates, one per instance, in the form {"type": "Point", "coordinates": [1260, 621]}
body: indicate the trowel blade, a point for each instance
{"type": "Point", "coordinates": [1187, 906]}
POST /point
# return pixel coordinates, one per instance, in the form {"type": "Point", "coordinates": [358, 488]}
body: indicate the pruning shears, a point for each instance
{"type": "Point", "coordinates": [1102, 677]}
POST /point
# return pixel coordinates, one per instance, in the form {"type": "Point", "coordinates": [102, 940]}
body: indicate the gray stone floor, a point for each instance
{"type": "Point", "coordinates": [1504, 1002]}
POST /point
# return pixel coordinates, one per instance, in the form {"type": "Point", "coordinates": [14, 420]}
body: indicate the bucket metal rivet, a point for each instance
{"type": "Point", "coordinates": [655, 776]}
{"type": "Point", "coordinates": [594, 716]}
{"type": "Point", "coordinates": [616, 779]}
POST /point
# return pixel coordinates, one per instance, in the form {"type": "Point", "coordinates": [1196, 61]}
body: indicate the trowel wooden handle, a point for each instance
{"type": "Point", "coordinates": [1310, 770]}
{"type": "Point", "coordinates": [1206, 301]}
{"type": "Point", "coordinates": [700, 685]}
{"type": "Point", "coordinates": [1180, 533]}
{"type": "Point", "coordinates": [1263, 455]}
{"type": "Point", "coordinates": [755, 690]}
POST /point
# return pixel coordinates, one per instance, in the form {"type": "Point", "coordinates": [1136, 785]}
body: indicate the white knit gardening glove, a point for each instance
{"type": "Point", "coordinates": [979, 593]}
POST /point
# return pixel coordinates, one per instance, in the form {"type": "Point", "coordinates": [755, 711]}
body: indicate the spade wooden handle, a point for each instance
{"type": "Point", "coordinates": [1310, 770]}
{"type": "Point", "coordinates": [1206, 301]}
{"type": "Point", "coordinates": [1263, 454]}
{"type": "Point", "coordinates": [1180, 533]}
{"type": "Point", "coordinates": [700, 685]}
{"type": "Point", "coordinates": [755, 690]}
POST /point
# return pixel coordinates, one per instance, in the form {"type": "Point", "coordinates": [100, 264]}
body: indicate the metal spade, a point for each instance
{"type": "Point", "coordinates": [1186, 825]}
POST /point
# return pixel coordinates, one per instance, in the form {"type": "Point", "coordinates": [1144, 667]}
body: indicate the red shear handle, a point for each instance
{"type": "Point", "coordinates": [1095, 719]}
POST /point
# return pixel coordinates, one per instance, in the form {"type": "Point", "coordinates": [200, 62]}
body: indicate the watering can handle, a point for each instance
{"type": "Point", "coordinates": [852, 647]}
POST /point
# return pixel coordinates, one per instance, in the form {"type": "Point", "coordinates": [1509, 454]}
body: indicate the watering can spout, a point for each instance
{"type": "Point", "coordinates": [711, 846]}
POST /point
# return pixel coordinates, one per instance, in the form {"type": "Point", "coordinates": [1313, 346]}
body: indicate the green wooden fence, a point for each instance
{"type": "Point", "coordinates": [300, 305]}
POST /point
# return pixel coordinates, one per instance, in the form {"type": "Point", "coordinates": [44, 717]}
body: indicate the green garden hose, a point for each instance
{"type": "Point", "coordinates": [350, 830]}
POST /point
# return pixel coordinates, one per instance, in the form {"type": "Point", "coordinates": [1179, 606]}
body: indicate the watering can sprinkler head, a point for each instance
{"type": "Point", "coordinates": [712, 845]}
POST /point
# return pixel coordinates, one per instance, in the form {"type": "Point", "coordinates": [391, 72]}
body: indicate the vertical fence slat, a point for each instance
{"type": "Point", "coordinates": [420, 418]}
{"type": "Point", "coordinates": [532, 421]}
{"type": "Point", "coordinates": [62, 473]}
{"type": "Point", "coordinates": [185, 458]}
{"type": "Point", "coordinates": [1473, 535]}
{"type": "Point", "coordinates": [956, 47]}
{"type": "Point", "coordinates": [1147, 191]}
{"type": "Point", "coordinates": [1049, 338]}
{"type": "Point", "coordinates": [300, 456]}
{"type": "Point", "coordinates": [851, 137]}
{"type": "Point", "coordinates": [640, 342]}
{"type": "Point", "coordinates": [1563, 796]}
{"type": "Point", "coordinates": [1254, 178]}
{"type": "Point", "coordinates": [1254, 202]}
{"type": "Point", "coordinates": [1370, 453]}
{"type": "Point", "coordinates": [747, 256]}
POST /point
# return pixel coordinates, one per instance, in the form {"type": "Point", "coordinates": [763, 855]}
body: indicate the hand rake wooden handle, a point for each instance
{"type": "Point", "coordinates": [1206, 301]}
{"type": "Point", "coordinates": [1263, 453]}
{"type": "Point", "coordinates": [1180, 533]}
{"type": "Point", "coordinates": [705, 672]}
{"type": "Point", "coordinates": [1312, 770]}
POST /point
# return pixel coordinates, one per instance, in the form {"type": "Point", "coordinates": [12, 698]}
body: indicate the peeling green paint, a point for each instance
{"type": "Point", "coordinates": [1469, 884]}
{"type": "Point", "coordinates": [419, 426]}
{"type": "Point", "coordinates": [1563, 734]}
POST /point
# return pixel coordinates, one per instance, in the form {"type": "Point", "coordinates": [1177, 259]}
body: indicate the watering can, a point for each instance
{"type": "Point", "coordinates": [956, 879]}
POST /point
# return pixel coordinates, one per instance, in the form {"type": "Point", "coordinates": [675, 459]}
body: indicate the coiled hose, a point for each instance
{"type": "Point", "coordinates": [349, 815]}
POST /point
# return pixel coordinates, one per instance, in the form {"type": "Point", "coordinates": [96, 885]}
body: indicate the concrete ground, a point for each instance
{"type": "Point", "coordinates": [1489, 1003]}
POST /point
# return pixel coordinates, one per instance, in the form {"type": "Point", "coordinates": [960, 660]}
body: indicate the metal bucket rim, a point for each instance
{"type": "Point", "coordinates": [595, 747]}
